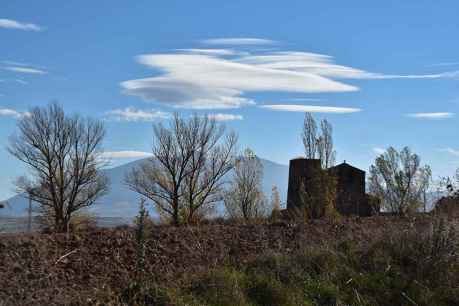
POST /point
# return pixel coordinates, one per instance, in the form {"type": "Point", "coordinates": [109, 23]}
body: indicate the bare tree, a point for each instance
{"type": "Point", "coordinates": [450, 185]}
{"type": "Point", "coordinates": [62, 153]}
{"type": "Point", "coordinates": [398, 179]}
{"type": "Point", "coordinates": [424, 180]}
{"type": "Point", "coordinates": [325, 145]}
{"type": "Point", "coordinates": [309, 136]}
{"type": "Point", "coordinates": [275, 199]}
{"type": "Point", "coordinates": [184, 177]}
{"type": "Point", "coordinates": [275, 204]}
{"type": "Point", "coordinates": [318, 145]}
{"type": "Point", "coordinates": [211, 160]}
{"type": "Point", "coordinates": [245, 199]}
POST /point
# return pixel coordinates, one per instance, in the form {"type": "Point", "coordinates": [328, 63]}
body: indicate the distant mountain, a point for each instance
{"type": "Point", "coordinates": [121, 202]}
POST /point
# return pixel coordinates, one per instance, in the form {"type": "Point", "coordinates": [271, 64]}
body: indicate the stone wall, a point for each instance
{"type": "Point", "coordinates": [351, 198]}
{"type": "Point", "coordinates": [301, 172]}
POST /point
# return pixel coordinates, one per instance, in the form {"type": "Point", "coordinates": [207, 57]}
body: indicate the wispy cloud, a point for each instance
{"type": "Point", "coordinates": [225, 117]}
{"type": "Point", "coordinates": [324, 65]}
{"type": "Point", "coordinates": [207, 82]}
{"type": "Point", "coordinates": [216, 52]}
{"type": "Point", "coordinates": [16, 25]}
{"type": "Point", "coordinates": [311, 108]}
{"type": "Point", "coordinates": [209, 79]}
{"type": "Point", "coordinates": [305, 99]}
{"type": "Point", "coordinates": [7, 112]}
{"type": "Point", "coordinates": [438, 115]}
{"type": "Point", "coordinates": [444, 64]}
{"type": "Point", "coordinates": [28, 70]}
{"type": "Point", "coordinates": [239, 41]}
{"type": "Point", "coordinates": [379, 150]}
{"type": "Point", "coordinates": [14, 63]}
{"type": "Point", "coordinates": [125, 154]}
{"type": "Point", "coordinates": [450, 151]}
{"type": "Point", "coordinates": [134, 115]}
{"type": "Point", "coordinates": [22, 82]}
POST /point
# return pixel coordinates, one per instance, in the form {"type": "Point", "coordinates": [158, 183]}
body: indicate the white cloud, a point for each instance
{"type": "Point", "coordinates": [305, 99]}
{"type": "Point", "coordinates": [28, 70]}
{"type": "Point", "coordinates": [207, 82]}
{"type": "Point", "coordinates": [13, 63]}
{"type": "Point", "coordinates": [450, 151]}
{"type": "Point", "coordinates": [439, 115]}
{"type": "Point", "coordinates": [22, 82]}
{"type": "Point", "coordinates": [125, 154]}
{"type": "Point", "coordinates": [311, 108]}
{"type": "Point", "coordinates": [7, 112]}
{"type": "Point", "coordinates": [239, 41]}
{"type": "Point", "coordinates": [445, 64]}
{"type": "Point", "coordinates": [132, 114]}
{"type": "Point", "coordinates": [216, 52]}
{"type": "Point", "coordinates": [207, 79]}
{"type": "Point", "coordinates": [225, 117]}
{"type": "Point", "coordinates": [16, 25]}
{"type": "Point", "coordinates": [379, 150]}
{"type": "Point", "coordinates": [324, 65]}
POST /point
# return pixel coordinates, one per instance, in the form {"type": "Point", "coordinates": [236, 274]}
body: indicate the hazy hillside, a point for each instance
{"type": "Point", "coordinates": [121, 202]}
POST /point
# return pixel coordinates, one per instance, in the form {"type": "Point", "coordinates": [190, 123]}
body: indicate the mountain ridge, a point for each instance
{"type": "Point", "coordinates": [122, 202]}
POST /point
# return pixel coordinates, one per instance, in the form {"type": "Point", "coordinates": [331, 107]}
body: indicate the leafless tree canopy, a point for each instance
{"type": "Point", "coordinates": [398, 179]}
{"type": "Point", "coordinates": [318, 145]}
{"type": "Point", "coordinates": [309, 136]}
{"type": "Point", "coordinates": [62, 154]}
{"type": "Point", "coordinates": [450, 185]}
{"type": "Point", "coordinates": [184, 178]}
{"type": "Point", "coordinates": [325, 145]}
{"type": "Point", "coordinates": [275, 199]}
{"type": "Point", "coordinates": [245, 199]}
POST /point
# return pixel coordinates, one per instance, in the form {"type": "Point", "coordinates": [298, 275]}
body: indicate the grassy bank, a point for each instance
{"type": "Point", "coordinates": [373, 261]}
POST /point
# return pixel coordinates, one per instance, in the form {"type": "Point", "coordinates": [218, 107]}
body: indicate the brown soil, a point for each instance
{"type": "Point", "coordinates": [45, 269]}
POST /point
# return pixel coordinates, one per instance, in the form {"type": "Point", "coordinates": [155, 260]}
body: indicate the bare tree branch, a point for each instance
{"type": "Point", "coordinates": [62, 153]}
{"type": "Point", "coordinates": [184, 178]}
{"type": "Point", "coordinates": [398, 179]}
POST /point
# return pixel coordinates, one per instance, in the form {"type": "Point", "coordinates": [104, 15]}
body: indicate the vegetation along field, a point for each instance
{"type": "Point", "coordinates": [229, 153]}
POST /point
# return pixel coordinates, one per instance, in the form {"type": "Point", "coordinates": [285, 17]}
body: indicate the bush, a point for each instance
{"type": "Point", "coordinates": [82, 221]}
{"type": "Point", "coordinates": [223, 287]}
{"type": "Point", "coordinates": [264, 290]}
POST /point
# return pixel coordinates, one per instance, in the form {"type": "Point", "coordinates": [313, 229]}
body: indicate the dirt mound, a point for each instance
{"type": "Point", "coordinates": [55, 269]}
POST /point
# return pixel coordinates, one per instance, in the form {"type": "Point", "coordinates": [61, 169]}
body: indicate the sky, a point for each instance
{"type": "Point", "coordinates": [383, 73]}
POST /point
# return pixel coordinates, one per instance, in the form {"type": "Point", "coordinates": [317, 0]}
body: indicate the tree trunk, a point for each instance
{"type": "Point", "coordinates": [175, 216]}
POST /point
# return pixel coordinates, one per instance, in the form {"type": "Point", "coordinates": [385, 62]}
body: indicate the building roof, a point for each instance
{"type": "Point", "coordinates": [346, 165]}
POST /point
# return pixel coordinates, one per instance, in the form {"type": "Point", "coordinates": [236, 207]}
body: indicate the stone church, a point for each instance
{"type": "Point", "coordinates": [351, 198]}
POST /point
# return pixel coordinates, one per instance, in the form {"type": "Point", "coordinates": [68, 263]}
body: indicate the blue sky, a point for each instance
{"type": "Point", "coordinates": [383, 73]}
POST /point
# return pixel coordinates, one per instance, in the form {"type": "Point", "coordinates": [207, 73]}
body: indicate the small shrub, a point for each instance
{"type": "Point", "coordinates": [223, 287]}
{"type": "Point", "coordinates": [82, 221]}
{"type": "Point", "coordinates": [264, 290]}
{"type": "Point", "coordinates": [321, 293]}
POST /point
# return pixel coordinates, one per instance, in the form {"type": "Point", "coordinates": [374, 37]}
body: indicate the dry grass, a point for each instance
{"type": "Point", "coordinates": [98, 266]}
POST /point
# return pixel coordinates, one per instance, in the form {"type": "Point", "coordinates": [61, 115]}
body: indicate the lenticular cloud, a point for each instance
{"type": "Point", "coordinates": [207, 82]}
{"type": "Point", "coordinates": [221, 78]}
